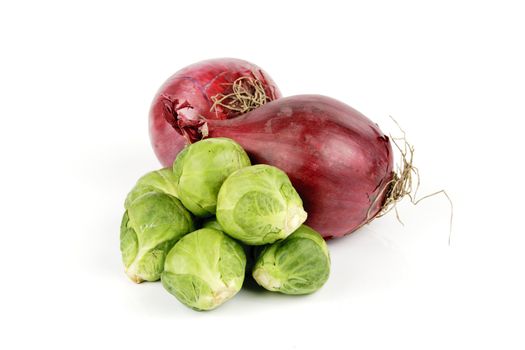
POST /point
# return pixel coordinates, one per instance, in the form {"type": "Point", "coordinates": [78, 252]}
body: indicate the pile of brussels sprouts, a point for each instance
{"type": "Point", "coordinates": [201, 226]}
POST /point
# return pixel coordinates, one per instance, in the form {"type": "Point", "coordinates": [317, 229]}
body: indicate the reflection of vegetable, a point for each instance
{"type": "Point", "coordinates": [215, 89]}
{"type": "Point", "coordinates": [201, 168]}
{"type": "Point", "coordinates": [299, 264]}
{"type": "Point", "coordinates": [338, 160]}
{"type": "Point", "coordinates": [204, 269]}
{"type": "Point", "coordinates": [258, 205]}
{"type": "Point", "coordinates": [154, 220]}
{"type": "Point", "coordinates": [159, 181]}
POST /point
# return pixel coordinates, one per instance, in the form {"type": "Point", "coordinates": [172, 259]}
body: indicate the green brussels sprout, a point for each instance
{"type": "Point", "coordinates": [151, 225]}
{"type": "Point", "coordinates": [258, 205]}
{"type": "Point", "coordinates": [204, 269]}
{"type": "Point", "coordinates": [201, 168]}
{"type": "Point", "coordinates": [299, 264]}
{"type": "Point", "coordinates": [161, 180]}
{"type": "Point", "coordinates": [249, 251]}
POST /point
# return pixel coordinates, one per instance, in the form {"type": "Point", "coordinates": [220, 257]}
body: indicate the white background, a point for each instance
{"type": "Point", "coordinates": [76, 81]}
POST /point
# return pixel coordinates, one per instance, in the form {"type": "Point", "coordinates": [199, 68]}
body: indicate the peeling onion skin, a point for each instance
{"type": "Point", "coordinates": [337, 159]}
{"type": "Point", "coordinates": [188, 92]}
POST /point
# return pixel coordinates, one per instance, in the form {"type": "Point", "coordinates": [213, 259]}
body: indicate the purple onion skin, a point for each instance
{"type": "Point", "coordinates": [338, 160]}
{"type": "Point", "coordinates": [186, 97]}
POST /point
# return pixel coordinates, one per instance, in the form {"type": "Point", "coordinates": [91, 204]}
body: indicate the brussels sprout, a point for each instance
{"type": "Point", "coordinates": [204, 269]}
{"type": "Point", "coordinates": [201, 168]}
{"type": "Point", "coordinates": [162, 181]}
{"type": "Point", "coordinates": [299, 264]}
{"type": "Point", "coordinates": [258, 205]}
{"type": "Point", "coordinates": [151, 225]}
{"type": "Point", "coordinates": [249, 251]}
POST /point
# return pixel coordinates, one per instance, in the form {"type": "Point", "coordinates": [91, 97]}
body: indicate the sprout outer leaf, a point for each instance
{"type": "Point", "coordinates": [204, 269]}
{"type": "Point", "coordinates": [162, 181]}
{"type": "Point", "coordinates": [258, 205]}
{"type": "Point", "coordinates": [201, 168]}
{"type": "Point", "coordinates": [299, 264]}
{"type": "Point", "coordinates": [151, 225]}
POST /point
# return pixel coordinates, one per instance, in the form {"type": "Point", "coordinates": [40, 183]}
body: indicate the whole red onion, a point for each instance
{"type": "Point", "coordinates": [215, 89]}
{"type": "Point", "coordinates": [337, 159]}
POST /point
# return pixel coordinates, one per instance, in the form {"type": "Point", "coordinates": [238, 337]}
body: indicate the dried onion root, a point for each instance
{"type": "Point", "coordinates": [405, 182]}
{"type": "Point", "coordinates": [247, 94]}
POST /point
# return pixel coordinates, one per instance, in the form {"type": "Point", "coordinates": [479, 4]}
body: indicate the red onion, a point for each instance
{"type": "Point", "coordinates": [337, 159]}
{"type": "Point", "coordinates": [214, 89]}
